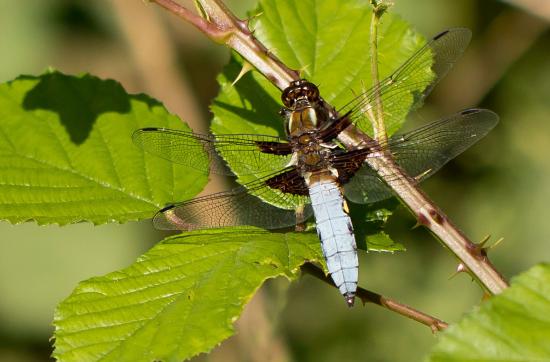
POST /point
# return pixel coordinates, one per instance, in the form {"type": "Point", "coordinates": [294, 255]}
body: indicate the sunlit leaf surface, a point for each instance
{"type": "Point", "coordinates": [512, 326]}
{"type": "Point", "coordinates": [67, 155]}
{"type": "Point", "coordinates": [179, 299]}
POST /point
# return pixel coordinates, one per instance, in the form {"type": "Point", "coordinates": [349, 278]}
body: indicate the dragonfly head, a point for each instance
{"type": "Point", "coordinates": [301, 100]}
{"type": "Point", "coordinates": [300, 93]}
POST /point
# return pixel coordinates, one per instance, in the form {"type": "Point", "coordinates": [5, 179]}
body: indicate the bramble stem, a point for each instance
{"type": "Point", "coordinates": [427, 213]}
{"type": "Point", "coordinates": [368, 296]}
{"type": "Point", "coordinates": [471, 255]}
{"type": "Point", "coordinates": [223, 27]}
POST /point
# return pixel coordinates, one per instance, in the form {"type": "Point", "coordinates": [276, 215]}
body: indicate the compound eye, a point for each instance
{"type": "Point", "coordinates": [287, 99]}
{"type": "Point", "coordinates": [297, 90]}
{"type": "Point", "coordinates": [312, 93]}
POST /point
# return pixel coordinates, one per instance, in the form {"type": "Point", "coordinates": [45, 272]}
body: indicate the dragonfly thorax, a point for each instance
{"type": "Point", "coordinates": [302, 120]}
{"type": "Point", "coordinates": [311, 153]}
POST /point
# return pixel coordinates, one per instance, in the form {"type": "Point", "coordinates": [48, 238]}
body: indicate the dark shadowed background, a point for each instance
{"type": "Point", "coordinates": [499, 187]}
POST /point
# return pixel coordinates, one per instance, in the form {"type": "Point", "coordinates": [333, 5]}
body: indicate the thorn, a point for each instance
{"type": "Point", "coordinates": [247, 67]}
{"type": "Point", "coordinates": [453, 275]}
{"type": "Point", "coordinates": [495, 244]}
{"type": "Point", "coordinates": [244, 24]}
{"type": "Point", "coordinates": [434, 328]}
{"type": "Point", "coordinates": [416, 225]}
{"type": "Point", "coordinates": [252, 17]}
{"type": "Point", "coordinates": [482, 249]}
{"type": "Point", "coordinates": [363, 300]}
{"type": "Point", "coordinates": [461, 268]}
{"type": "Point", "coordinates": [482, 243]}
{"type": "Point", "coordinates": [422, 219]}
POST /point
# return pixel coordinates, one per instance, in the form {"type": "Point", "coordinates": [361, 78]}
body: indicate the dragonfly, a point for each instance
{"type": "Point", "coordinates": [308, 173]}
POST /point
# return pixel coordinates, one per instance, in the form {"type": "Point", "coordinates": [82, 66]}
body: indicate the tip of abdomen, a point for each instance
{"type": "Point", "coordinates": [350, 299]}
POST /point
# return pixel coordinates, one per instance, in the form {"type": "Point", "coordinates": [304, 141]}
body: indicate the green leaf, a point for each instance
{"type": "Point", "coordinates": [369, 231]}
{"type": "Point", "coordinates": [330, 44]}
{"type": "Point", "coordinates": [381, 242]}
{"type": "Point", "coordinates": [177, 300]}
{"type": "Point", "coordinates": [329, 41]}
{"type": "Point", "coordinates": [512, 326]}
{"type": "Point", "coordinates": [67, 155]}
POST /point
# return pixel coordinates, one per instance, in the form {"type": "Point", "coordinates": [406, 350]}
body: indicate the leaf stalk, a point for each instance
{"type": "Point", "coordinates": [368, 296]}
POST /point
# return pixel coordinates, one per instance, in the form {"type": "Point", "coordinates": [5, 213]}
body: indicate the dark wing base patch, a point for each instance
{"type": "Point", "coordinates": [289, 182]}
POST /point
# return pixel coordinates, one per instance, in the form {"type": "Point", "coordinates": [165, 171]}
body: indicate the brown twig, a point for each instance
{"type": "Point", "coordinates": [225, 28]}
{"type": "Point", "coordinates": [368, 296]}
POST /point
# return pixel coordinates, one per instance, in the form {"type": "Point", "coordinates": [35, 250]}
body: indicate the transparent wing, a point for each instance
{"type": "Point", "coordinates": [202, 151]}
{"type": "Point", "coordinates": [420, 153]}
{"type": "Point", "coordinates": [234, 208]}
{"type": "Point", "coordinates": [399, 92]}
